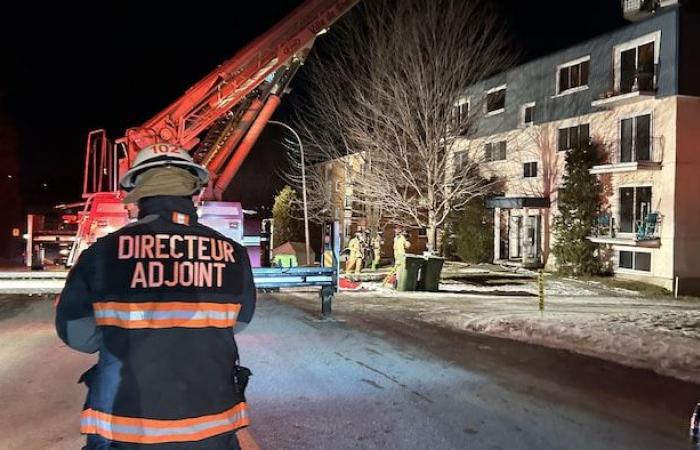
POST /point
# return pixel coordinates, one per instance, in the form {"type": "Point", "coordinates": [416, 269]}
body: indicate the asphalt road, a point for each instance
{"type": "Point", "coordinates": [369, 382]}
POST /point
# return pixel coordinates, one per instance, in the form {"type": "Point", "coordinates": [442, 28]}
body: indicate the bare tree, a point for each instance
{"type": "Point", "coordinates": [387, 90]}
{"type": "Point", "coordinates": [326, 183]}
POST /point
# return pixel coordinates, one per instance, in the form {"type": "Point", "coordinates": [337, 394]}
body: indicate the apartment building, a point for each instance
{"type": "Point", "coordinates": [636, 92]}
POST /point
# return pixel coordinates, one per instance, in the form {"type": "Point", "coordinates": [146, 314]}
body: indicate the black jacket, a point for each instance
{"type": "Point", "coordinates": [160, 299]}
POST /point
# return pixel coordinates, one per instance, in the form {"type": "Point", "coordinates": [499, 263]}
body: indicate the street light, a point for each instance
{"type": "Point", "coordinates": [303, 187]}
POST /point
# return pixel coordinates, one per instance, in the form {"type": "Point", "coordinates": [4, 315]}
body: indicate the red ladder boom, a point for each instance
{"type": "Point", "coordinates": [226, 86]}
{"type": "Point", "coordinates": [218, 119]}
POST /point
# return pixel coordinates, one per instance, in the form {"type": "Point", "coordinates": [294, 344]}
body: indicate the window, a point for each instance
{"type": "Point", "coordinates": [496, 100]}
{"type": "Point", "coordinates": [637, 68]}
{"type": "Point", "coordinates": [530, 169]}
{"type": "Point", "coordinates": [572, 137]}
{"type": "Point", "coordinates": [634, 261]}
{"type": "Point", "coordinates": [528, 116]}
{"type": "Point", "coordinates": [635, 204]}
{"type": "Point", "coordinates": [460, 114]}
{"type": "Point", "coordinates": [495, 151]}
{"type": "Point", "coordinates": [573, 75]}
{"type": "Point", "coordinates": [635, 138]}
{"type": "Point", "coordinates": [460, 159]}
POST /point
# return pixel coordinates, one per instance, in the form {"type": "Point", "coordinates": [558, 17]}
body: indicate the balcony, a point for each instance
{"type": "Point", "coordinates": [635, 10]}
{"type": "Point", "coordinates": [631, 87]}
{"type": "Point", "coordinates": [646, 234]}
{"type": "Point", "coordinates": [621, 157]}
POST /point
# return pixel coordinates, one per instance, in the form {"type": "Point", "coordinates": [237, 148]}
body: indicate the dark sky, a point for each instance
{"type": "Point", "coordinates": [67, 69]}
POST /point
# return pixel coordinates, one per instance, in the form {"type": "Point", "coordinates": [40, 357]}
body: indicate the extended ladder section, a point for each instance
{"type": "Point", "coordinates": [218, 119]}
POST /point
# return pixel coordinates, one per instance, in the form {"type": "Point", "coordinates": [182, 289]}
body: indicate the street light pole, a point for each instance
{"type": "Point", "coordinates": [303, 188]}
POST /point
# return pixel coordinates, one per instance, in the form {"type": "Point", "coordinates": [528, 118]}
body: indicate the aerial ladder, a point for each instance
{"type": "Point", "coordinates": [218, 120]}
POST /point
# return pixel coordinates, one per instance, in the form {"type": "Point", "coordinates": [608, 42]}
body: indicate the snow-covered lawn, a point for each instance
{"type": "Point", "coordinates": [662, 334]}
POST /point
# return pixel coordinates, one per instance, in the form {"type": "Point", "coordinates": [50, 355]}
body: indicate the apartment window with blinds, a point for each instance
{"type": "Point", "coordinates": [495, 151]}
{"type": "Point", "coordinates": [572, 137]}
{"type": "Point", "coordinates": [573, 75]}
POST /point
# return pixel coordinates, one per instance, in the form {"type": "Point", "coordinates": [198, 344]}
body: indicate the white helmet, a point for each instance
{"type": "Point", "coordinates": [161, 155]}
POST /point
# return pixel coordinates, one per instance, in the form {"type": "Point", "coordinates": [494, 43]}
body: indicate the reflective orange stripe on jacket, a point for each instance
{"type": "Point", "coordinates": [166, 314]}
{"type": "Point", "coordinates": [155, 431]}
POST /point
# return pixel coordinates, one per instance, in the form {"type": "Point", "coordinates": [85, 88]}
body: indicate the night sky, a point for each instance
{"type": "Point", "coordinates": [67, 69]}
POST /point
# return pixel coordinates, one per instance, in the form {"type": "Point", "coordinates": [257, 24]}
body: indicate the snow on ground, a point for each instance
{"type": "Point", "coordinates": [662, 334]}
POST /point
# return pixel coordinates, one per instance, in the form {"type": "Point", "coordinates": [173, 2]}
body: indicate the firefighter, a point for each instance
{"type": "Point", "coordinates": [401, 244]}
{"type": "Point", "coordinates": [377, 242]}
{"type": "Point", "coordinates": [161, 300]}
{"type": "Point", "coordinates": [355, 257]}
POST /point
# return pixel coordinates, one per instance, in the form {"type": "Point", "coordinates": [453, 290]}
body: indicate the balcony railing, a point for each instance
{"type": "Point", "coordinates": [629, 87]}
{"type": "Point", "coordinates": [637, 9]}
{"type": "Point", "coordinates": [646, 231]}
{"type": "Point", "coordinates": [638, 151]}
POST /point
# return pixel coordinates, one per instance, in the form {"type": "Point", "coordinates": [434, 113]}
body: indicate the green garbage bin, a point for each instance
{"type": "Point", "coordinates": [430, 275]}
{"type": "Point", "coordinates": [408, 276]}
{"type": "Point", "coordinates": [284, 260]}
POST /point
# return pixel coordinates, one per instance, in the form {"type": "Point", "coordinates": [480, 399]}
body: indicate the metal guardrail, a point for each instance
{"type": "Point", "coordinates": [633, 8]}
{"type": "Point", "coordinates": [613, 153]}
{"type": "Point", "coordinates": [643, 81]}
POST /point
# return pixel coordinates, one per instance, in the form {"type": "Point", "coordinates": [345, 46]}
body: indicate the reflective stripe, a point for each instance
{"type": "Point", "coordinates": [166, 314]}
{"type": "Point", "coordinates": [156, 431]}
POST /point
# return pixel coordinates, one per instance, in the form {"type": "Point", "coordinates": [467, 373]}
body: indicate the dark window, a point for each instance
{"type": "Point", "coordinates": [626, 140]}
{"type": "Point", "coordinates": [642, 137]}
{"type": "Point", "coordinates": [626, 260]}
{"type": "Point", "coordinates": [573, 76]}
{"type": "Point", "coordinates": [637, 69]}
{"type": "Point", "coordinates": [530, 169]}
{"type": "Point", "coordinates": [495, 151]}
{"type": "Point", "coordinates": [626, 210]}
{"type": "Point", "coordinates": [573, 136]}
{"type": "Point", "coordinates": [635, 204]}
{"type": "Point", "coordinates": [460, 113]}
{"type": "Point", "coordinates": [628, 67]}
{"type": "Point", "coordinates": [460, 160]}
{"type": "Point", "coordinates": [642, 203]}
{"type": "Point", "coordinates": [642, 261]}
{"type": "Point", "coordinates": [496, 100]}
{"type": "Point", "coordinates": [635, 139]}
{"type": "Point", "coordinates": [635, 260]}
{"type": "Point", "coordinates": [529, 114]}
{"type": "Point", "coordinates": [645, 67]}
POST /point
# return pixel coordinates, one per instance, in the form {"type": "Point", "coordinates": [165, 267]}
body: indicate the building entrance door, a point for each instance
{"type": "Point", "coordinates": [515, 232]}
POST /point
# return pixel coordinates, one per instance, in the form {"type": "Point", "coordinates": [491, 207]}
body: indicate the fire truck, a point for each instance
{"type": "Point", "coordinates": [218, 120]}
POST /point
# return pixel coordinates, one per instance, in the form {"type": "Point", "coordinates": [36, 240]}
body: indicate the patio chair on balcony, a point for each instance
{"type": "Point", "coordinates": [647, 229]}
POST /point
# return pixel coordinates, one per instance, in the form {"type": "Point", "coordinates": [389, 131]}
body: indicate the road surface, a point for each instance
{"type": "Point", "coordinates": [369, 382]}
